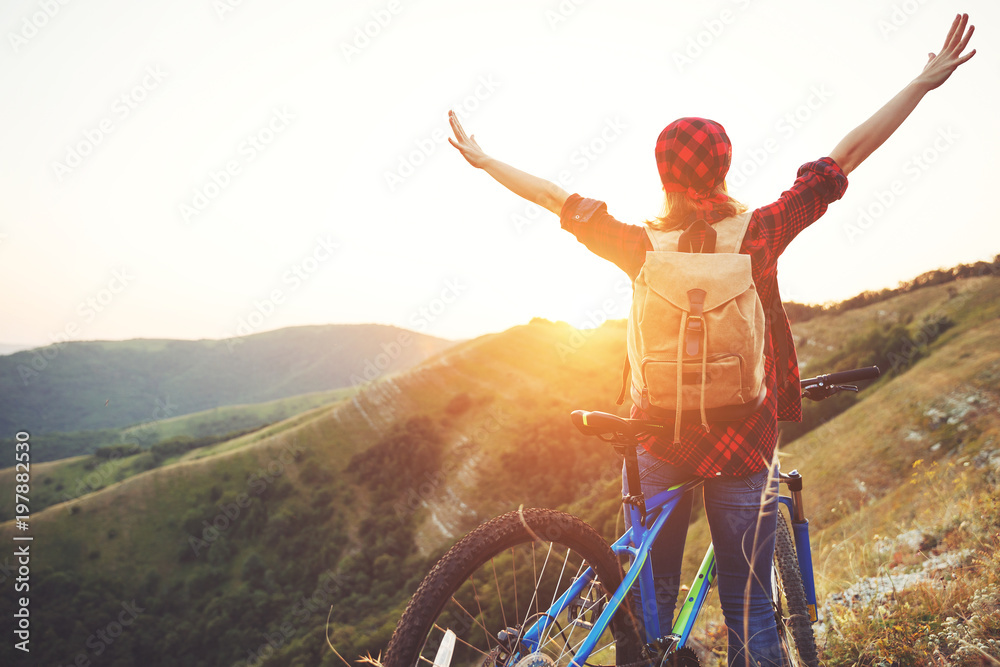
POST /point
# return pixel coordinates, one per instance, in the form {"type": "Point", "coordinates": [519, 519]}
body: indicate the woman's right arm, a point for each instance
{"type": "Point", "coordinates": [546, 194]}
{"type": "Point", "coordinates": [867, 137]}
{"type": "Point", "coordinates": [587, 219]}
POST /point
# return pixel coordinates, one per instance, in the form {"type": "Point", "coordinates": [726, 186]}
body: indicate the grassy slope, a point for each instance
{"type": "Point", "coordinates": [858, 465]}
{"type": "Point", "coordinates": [865, 454]}
{"type": "Point", "coordinates": [519, 385]}
{"type": "Point", "coordinates": [52, 446]}
{"type": "Point", "coordinates": [58, 481]}
{"type": "Point", "coordinates": [914, 459]}
{"type": "Point", "coordinates": [968, 300]}
{"type": "Point", "coordinates": [892, 419]}
{"type": "Point", "coordinates": [229, 418]}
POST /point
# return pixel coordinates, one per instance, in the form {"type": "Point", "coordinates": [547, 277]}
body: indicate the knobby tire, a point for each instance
{"type": "Point", "coordinates": [792, 611]}
{"type": "Point", "coordinates": [477, 590]}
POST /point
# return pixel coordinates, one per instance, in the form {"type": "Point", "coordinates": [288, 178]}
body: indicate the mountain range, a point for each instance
{"type": "Point", "coordinates": [79, 395]}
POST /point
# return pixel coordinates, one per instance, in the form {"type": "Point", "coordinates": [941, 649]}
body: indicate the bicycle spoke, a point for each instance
{"type": "Point", "coordinates": [472, 580]}
{"type": "Point", "coordinates": [567, 609]}
{"type": "Point", "coordinates": [534, 572]}
{"type": "Point", "coordinates": [597, 649]}
{"type": "Point", "coordinates": [421, 658]}
{"type": "Point", "coordinates": [534, 593]}
{"type": "Point", "coordinates": [555, 593]}
{"type": "Point", "coordinates": [474, 648]}
{"type": "Point", "coordinates": [473, 618]}
{"type": "Point", "coordinates": [513, 566]}
{"type": "Point", "coordinates": [503, 614]}
{"type": "Point", "coordinates": [477, 650]}
{"type": "Point", "coordinates": [573, 625]}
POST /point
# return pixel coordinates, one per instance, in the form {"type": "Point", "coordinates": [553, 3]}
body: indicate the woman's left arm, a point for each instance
{"type": "Point", "coordinates": [863, 140]}
{"type": "Point", "coordinates": [545, 193]}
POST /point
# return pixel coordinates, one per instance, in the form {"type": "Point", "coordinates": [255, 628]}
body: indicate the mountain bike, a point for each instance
{"type": "Point", "coordinates": [540, 587]}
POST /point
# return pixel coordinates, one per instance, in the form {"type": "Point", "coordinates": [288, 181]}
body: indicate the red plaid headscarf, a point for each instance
{"type": "Point", "coordinates": [693, 155]}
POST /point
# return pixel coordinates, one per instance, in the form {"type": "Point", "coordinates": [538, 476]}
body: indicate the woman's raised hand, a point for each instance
{"type": "Point", "coordinates": [465, 144]}
{"type": "Point", "coordinates": [940, 66]}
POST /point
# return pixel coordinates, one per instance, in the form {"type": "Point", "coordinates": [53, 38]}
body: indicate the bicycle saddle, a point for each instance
{"type": "Point", "coordinates": [602, 423]}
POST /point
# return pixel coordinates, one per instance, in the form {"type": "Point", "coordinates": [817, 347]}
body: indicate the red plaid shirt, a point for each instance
{"type": "Point", "coordinates": [743, 447]}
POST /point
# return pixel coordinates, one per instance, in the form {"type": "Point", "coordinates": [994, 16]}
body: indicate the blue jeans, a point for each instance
{"type": "Point", "coordinates": [742, 516]}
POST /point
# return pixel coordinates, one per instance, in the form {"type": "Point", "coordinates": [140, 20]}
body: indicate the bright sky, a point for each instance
{"type": "Point", "coordinates": [211, 168]}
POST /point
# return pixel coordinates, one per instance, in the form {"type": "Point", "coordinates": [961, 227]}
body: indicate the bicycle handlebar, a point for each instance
{"type": "Point", "coordinates": [855, 375]}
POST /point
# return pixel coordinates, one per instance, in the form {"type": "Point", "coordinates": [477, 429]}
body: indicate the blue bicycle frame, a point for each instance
{"type": "Point", "coordinates": [636, 544]}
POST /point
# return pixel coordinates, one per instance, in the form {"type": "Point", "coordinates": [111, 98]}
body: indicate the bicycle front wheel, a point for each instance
{"type": "Point", "coordinates": [789, 599]}
{"type": "Point", "coordinates": [478, 602]}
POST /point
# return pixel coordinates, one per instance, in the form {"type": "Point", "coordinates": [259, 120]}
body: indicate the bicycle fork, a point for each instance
{"type": "Point", "coordinates": [800, 533]}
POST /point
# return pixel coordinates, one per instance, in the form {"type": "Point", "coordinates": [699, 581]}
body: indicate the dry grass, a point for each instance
{"type": "Point", "coordinates": [950, 616]}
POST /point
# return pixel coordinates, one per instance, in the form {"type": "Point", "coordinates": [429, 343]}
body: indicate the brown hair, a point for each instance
{"type": "Point", "coordinates": [679, 208]}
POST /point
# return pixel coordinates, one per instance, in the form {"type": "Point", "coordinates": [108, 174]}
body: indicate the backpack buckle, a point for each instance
{"type": "Point", "coordinates": [695, 323]}
{"type": "Point", "coordinates": [692, 336]}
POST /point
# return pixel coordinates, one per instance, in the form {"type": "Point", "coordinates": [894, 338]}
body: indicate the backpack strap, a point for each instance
{"type": "Point", "coordinates": [731, 232]}
{"type": "Point", "coordinates": [776, 313]}
{"type": "Point", "coordinates": [660, 240]}
{"type": "Point", "coordinates": [744, 226]}
{"type": "Point", "coordinates": [626, 380]}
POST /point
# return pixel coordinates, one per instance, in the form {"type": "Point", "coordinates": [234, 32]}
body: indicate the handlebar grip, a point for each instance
{"type": "Point", "coordinates": [855, 375]}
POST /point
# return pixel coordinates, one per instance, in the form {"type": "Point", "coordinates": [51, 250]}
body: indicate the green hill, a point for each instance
{"type": "Point", "coordinates": [89, 386]}
{"type": "Point", "coordinates": [214, 423]}
{"type": "Point", "coordinates": [159, 443]}
{"type": "Point", "coordinates": [238, 551]}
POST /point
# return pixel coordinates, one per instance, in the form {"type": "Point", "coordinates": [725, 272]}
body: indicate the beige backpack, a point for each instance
{"type": "Point", "coordinates": [696, 330]}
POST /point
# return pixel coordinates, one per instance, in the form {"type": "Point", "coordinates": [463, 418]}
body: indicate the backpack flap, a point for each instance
{"type": "Point", "coordinates": [723, 276]}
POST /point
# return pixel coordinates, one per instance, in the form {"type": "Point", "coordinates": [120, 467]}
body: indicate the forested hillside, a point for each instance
{"type": "Point", "coordinates": [76, 396]}
{"type": "Point", "coordinates": [239, 555]}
